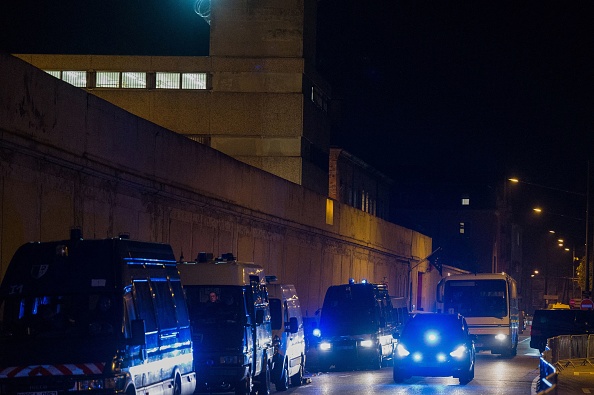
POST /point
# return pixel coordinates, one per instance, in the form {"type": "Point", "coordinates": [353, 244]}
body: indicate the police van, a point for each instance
{"type": "Point", "coordinates": [356, 327]}
{"type": "Point", "coordinates": [96, 317]}
{"type": "Point", "coordinates": [230, 319]}
{"type": "Point", "coordinates": [288, 361]}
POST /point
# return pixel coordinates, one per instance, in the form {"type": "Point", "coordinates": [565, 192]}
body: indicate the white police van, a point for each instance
{"type": "Point", "coordinates": [288, 362]}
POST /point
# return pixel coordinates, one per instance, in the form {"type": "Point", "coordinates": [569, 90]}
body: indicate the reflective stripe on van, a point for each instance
{"type": "Point", "coordinates": [52, 370]}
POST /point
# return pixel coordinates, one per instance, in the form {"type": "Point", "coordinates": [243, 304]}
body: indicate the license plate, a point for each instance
{"type": "Point", "coordinates": [345, 347]}
{"type": "Point", "coordinates": [38, 393]}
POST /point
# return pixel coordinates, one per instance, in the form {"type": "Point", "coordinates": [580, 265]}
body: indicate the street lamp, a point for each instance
{"type": "Point", "coordinates": [587, 217]}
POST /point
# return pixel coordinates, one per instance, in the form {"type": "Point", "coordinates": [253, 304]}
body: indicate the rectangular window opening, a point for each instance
{"type": "Point", "coordinates": [167, 80]}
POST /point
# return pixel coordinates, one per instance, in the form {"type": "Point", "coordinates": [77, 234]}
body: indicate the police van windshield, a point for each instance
{"type": "Point", "coordinates": [349, 311]}
{"type": "Point", "coordinates": [59, 316]}
{"type": "Point", "coordinates": [212, 305]}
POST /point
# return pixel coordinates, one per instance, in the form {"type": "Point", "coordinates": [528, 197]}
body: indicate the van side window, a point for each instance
{"type": "Point", "coordinates": [129, 312]}
{"type": "Point", "coordinates": [164, 302]}
{"type": "Point", "coordinates": [178, 296]}
{"type": "Point", "coordinates": [144, 303]}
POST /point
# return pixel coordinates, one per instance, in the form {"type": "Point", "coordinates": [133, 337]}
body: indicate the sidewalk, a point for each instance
{"type": "Point", "coordinates": [575, 378]}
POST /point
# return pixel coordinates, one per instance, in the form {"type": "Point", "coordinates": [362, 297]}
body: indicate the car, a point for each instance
{"type": "Point", "coordinates": [550, 323]}
{"type": "Point", "coordinates": [435, 345]}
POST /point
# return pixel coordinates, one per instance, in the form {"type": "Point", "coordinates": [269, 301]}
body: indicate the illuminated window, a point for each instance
{"type": "Point", "coordinates": [55, 73]}
{"type": "Point", "coordinates": [461, 227]}
{"type": "Point", "coordinates": [465, 201]}
{"type": "Point", "coordinates": [107, 79]}
{"type": "Point", "coordinates": [133, 80]}
{"type": "Point", "coordinates": [193, 81]}
{"type": "Point", "coordinates": [167, 80]}
{"type": "Point", "coordinates": [329, 212]}
{"type": "Point", "coordinates": [76, 78]}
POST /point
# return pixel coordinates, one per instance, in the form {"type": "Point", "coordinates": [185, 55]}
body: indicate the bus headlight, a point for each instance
{"type": "Point", "coordinates": [500, 336]}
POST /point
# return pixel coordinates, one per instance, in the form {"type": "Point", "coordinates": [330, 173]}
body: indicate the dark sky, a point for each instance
{"type": "Point", "coordinates": [452, 91]}
{"type": "Point", "coordinates": [431, 91]}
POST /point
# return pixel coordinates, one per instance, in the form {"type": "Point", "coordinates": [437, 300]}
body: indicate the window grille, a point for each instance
{"type": "Point", "coordinates": [76, 78]}
{"type": "Point", "coordinates": [167, 80]}
{"type": "Point", "coordinates": [133, 80]}
{"type": "Point", "coordinates": [193, 81]}
{"type": "Point", "coordinates": [107, 79]}
{"type": "Point", "coordinates": [55, 73]}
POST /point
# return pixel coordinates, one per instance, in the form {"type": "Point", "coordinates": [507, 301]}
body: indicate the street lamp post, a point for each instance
{"type": "Point", "coordinates": [587, 220]}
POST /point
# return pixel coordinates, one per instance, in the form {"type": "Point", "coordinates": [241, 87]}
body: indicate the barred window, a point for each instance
{"type": "Point", "coordinates": [133, 80]}
{"type": "Point", "coordinates": [108, 79]}
{"type": "Point", "coordinates": [167, 80]}
{"type": "Point", "coordinates": [55, 73]}
{"type": "Point", "coordinates": [194, 81]}
{"type": "Point", "coordinates": [76, 78]}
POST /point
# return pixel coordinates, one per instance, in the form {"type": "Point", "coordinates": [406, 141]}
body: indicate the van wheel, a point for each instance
{"type": "Point", "coordinates": [283, 380]}
{"type": "Point", "coordinates": [378, 360]}
{"type": "Point", "coordinates": [177, 385]}
{"type": "Point", "coordinates": [297, 378]}
{"type": "Point", "coordinates": [244, 387]}
{"type": "Point", "coordinates": [264, 378]}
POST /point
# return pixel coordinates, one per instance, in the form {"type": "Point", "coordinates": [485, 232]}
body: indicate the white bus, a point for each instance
{"type": "Point", "coordinates": [489, 302]}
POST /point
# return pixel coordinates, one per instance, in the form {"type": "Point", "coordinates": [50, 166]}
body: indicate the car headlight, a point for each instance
{"type": "Point", "coordinates": [325, 346]}
{"type": "Point", "coordinates": [401, 350]}
{"type": "Point", "coordinates": [500, 336]}
{"type": "Point", "coordinates": [366, 343]}
{"type": "Point", "coordinates": [459, 352]}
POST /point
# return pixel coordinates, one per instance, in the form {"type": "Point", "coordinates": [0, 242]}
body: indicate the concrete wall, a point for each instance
{"type": "Point", "coordinates": [69, 158]}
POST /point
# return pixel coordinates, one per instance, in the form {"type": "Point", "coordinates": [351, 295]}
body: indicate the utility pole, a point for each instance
{"type": "Point", "coordinates": [587, 290]}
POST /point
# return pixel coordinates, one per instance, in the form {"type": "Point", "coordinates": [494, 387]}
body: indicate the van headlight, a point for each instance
{"type": "Point", "coordinates": [366, 343]}
{"type": "Point", "coordinates": [500, 336]}
{"type": "Point", "coordinates": [325, 346]}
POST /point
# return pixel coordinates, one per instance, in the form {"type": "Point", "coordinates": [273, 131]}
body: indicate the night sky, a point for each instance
{"type": "Point", "coordinates": [431, 91]}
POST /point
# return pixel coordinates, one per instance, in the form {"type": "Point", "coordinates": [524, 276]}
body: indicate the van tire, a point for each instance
{"type": "Point", "coordinates": [264, 378]}
{"type": "Point", "coordinates": [282, 383]}
{"type": "Point", "coordinates": [244, 386]}
{"type": "Point", "coordinates": [177, 390]}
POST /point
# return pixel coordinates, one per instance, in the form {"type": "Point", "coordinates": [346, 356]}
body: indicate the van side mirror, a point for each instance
{"type": "Point", "coordinates": [292, 326]}
{"type": "Point", "coordinates": [138, 333]}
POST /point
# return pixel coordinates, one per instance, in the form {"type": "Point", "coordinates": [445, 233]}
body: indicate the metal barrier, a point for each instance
{"type": "Point", "coordinates": [561, 352]}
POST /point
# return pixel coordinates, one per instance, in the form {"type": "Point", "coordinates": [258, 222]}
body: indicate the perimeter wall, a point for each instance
{"type": "Point", "coordinates": [70, 159]}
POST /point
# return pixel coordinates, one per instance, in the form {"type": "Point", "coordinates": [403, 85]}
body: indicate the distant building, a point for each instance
{"type": "Point", "coordinates": [471, 223]}
{"type": "Point", "coordinates": [359, 185]}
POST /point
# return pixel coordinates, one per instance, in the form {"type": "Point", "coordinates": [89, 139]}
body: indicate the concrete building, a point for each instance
{"type": "Point", "coordinates": [257, 97]}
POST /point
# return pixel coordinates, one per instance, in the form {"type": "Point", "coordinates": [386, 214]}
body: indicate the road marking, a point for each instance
{"type": "Point", "coordinates": [586, 390]}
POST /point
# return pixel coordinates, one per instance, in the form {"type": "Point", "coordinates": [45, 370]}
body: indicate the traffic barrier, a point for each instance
{"type": "Point", "coordinates": [561, 352]}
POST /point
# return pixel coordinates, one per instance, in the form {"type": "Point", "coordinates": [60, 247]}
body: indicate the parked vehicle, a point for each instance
{"type": "Point", "coordinates": [230, 319]}
{"type": "Point", "coordinates": [288, 361]}
{"type": "Point", "coordinates": [551, 323]}
{"type": "Point", "coordinates": [356, 327]}
{"type": "Point", "coordinates": [96, 317]}
{"type": "Point", "coordinates": [435, 345]}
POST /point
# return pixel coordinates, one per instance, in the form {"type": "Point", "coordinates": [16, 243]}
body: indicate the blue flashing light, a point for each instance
{"type": "Point", "coordinates": [351, 281]}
